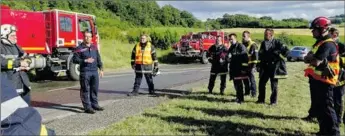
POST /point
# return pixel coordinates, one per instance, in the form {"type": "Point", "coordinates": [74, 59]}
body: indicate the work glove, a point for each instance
{"type": "Point", "coordinates": [210, 59]}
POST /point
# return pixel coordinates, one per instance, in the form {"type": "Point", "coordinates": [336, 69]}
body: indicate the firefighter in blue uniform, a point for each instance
{"type": "Point", "coordinates": [238, 65]}
{"type": "Point", "coordinates": [17, 118]}
{"type": "Point", "coordinates": [253, 56]}
{"type": "Point", "coordinates": [87, 55]}
{"type": "Point", "coordinates": [272, 55]}
{"type": "Point", "coordinates": [323, 72]}
{"type": "Point", "coordinates": [13, 63]}
{"type": "Point", "coordinates": [217, 55]}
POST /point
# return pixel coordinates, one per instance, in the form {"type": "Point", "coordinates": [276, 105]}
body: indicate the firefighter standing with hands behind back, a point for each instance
{"type": "Point", "coordinates": [272, 65]}
{"type": "Point", "coordinates": [253, 56]}
{"type": "Point", "coordinates": [323, 72]}
{"type": "Point", "coordinates": [217, 54]}
{"type": "Point", "coordinates": [87, 55]}
{"type": "Point", "coordinates": [12, 63]}
{"type": "Point", "coordinates": [143, 57]}
{"type": "Point", "coordinates": [238, 59]}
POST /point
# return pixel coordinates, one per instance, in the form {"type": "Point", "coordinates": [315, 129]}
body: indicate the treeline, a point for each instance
{"type": "Point", "coordinates": [338, 19]}
{"type": "Point", "coordinates": [240, 20]}
{"type": "Point", "coordinates": [144, 13]}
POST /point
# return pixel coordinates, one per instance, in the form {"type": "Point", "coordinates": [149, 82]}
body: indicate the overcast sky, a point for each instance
{"type": "Point", "coordinates": [276, 9]}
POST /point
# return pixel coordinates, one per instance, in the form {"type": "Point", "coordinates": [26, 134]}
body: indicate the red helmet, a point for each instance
{"type": "Point", "coordinates": [322, 23]}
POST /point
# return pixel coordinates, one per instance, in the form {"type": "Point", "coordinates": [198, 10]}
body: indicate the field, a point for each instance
{"type": "Point", "coordinates": [204, 114]}
{"type": "Point", "coordinates": [116, 53]}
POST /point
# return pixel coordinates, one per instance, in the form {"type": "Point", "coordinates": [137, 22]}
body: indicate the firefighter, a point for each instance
{"type": "Point", "coordinates": [238, 60]}
{"type": "Point", "coordinates": [89, 59]}
{"type": "Point", "coordinates": [272, 66]}
{"type": "Point", "coordinates": [142, 59]}
{"type": "Point", "coordinates": [13, 64]}
{"type": "Point", "coordinates": [253, 55]}
{"type": "Point", "coordinates": [338, 91]}
{"type": "Point", "coordinates": [17, 117]}
{"type": "Point", "coordinates": [323, 73]}
{"type": "Point", "coordinates": [217, 54]}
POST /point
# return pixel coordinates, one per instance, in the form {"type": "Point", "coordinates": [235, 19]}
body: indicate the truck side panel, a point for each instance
{"type": "Point", "coordinates": [31, 29]}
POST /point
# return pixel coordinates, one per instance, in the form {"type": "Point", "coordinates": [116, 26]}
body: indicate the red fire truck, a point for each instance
{"type": "Point", "coordinates": [50, 38]}
{"type": "Point", "coordinates": [196, 45]}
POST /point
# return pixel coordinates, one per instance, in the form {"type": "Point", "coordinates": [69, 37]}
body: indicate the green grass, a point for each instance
{"type": "Point", "coordinates": [203, 114]}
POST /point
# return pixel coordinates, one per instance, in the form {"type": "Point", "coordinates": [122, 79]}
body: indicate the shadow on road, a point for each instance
{"type": "Point", "coordinates": [49, 105]}
{"type": "Point", "coordinates": [213, 127]}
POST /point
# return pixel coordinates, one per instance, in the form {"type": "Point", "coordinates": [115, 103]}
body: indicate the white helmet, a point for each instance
{"type": "Point", "coordinates": [7, 29]}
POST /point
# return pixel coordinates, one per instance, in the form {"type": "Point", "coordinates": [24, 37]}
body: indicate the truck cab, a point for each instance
{"type": "Point", "coordinates": [52, 36]}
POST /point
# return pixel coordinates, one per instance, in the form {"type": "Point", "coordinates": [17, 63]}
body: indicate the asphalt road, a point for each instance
{"type": "Point", "coordinates": [117, 85]}
{"type": "Point", "coordinates": [61, 109]}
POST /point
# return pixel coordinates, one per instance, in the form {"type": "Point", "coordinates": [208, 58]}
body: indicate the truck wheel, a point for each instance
{"type": "Point", "coordinates": [203, 58]}
{"type": "Point", "coordinates": [73, 72]}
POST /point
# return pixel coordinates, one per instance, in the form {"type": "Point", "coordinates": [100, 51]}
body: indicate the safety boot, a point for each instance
{"type": "Point", "coordinates": [133, 93]}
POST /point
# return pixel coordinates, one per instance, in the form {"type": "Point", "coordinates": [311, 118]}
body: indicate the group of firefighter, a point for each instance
{"type": "Point", "coordinates": [326, 62]}
{"type": "Point", "coordinates": [325, 71]}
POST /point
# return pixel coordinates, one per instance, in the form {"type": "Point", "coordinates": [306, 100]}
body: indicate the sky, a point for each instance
{"type": "Point", "coordinates": [276, 9]}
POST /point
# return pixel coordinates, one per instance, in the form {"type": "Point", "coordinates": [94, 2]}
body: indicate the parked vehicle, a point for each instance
{"type": "Point", "coordinates": [298, 53]}
{"type": "Point", "coordinates": [196, 45]}
{"type": "Point", "coordinates": [50, 38]}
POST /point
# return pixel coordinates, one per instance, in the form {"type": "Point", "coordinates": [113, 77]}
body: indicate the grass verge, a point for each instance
{"type": "Point", "coordinates": [203, 114]}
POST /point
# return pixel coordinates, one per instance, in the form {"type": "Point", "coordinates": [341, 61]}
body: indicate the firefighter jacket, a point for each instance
{"type": "Point", "coordinates": [16, 117]}
{"type": "Point", "coordinates": [144, 57]}
{"type": "Point", "coordinates": [253, 54]}
{"type": "Point", "coordinates": [238, 61]}
{"type": "Point", "coordinates": [331, 67]}
{"type": "Point", "coordinates": [272, 56]}
{"type": "Point", "coordinates": [83, 52]}
{"type": "Point", "coordinates": [10, 62]}
{"type": "Point", "coordinates": [341, 48]}
{"type": "Point", "coordinates": [218, 59]}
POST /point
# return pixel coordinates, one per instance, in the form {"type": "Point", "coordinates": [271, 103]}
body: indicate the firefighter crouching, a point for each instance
{"type": "Point", "coordinates": [338, 91]}
{"type": "Point", "coordinates": [272, 54]}
{"type": "Point", "coordinates": [87, 55]}
{"type": "Point", "coordinates": [252, 50]}
{"type": "Point", "coordinates": [323, 72]}
{"type": "Point", "coordinates": [143, 58]}
{"type": "Point", "coordinates": [17, 117]}
{"type": "Point", "coordinates": [13, 64]}
{"type": "Point", "coordinates": [217, 54]}
{"type": "Point", "coordinates": [238, 64]}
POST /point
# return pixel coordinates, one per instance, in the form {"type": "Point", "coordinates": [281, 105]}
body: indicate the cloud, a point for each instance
{"type": "Point", "coordinates": [276, 9]}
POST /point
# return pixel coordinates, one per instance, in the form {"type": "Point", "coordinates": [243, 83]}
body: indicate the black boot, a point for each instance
{"type": "Point", "coordinates": [133, 93]}
{"type": "Point", "coordinates": [221, 91]}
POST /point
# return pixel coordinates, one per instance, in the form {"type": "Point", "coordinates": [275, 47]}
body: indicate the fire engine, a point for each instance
{"type": "Point", "coordinates": [196, 45]}
{"type": "Point", "coordinates": [50, 37]}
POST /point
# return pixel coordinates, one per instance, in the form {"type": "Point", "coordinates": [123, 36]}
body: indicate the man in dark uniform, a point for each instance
{"type": "Point", "coordinates": [143, 57]}
{"type": "Point", "coordinates": [272, 65]}
{"type": "Point", "coordinates": [13, 64]}
{"type": "Point", "coordinates": [253, 56]}
{"type": "Point", "coordinates": [217, 54]}
{"type": "Point", "coordinates": [338, 91]}
{"type": "Point", "coordinates": [323, 72]}
{"type": "Point", "coordinates": [87, 55]}
{"type": "Point", "coordinates": [238, 63]}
